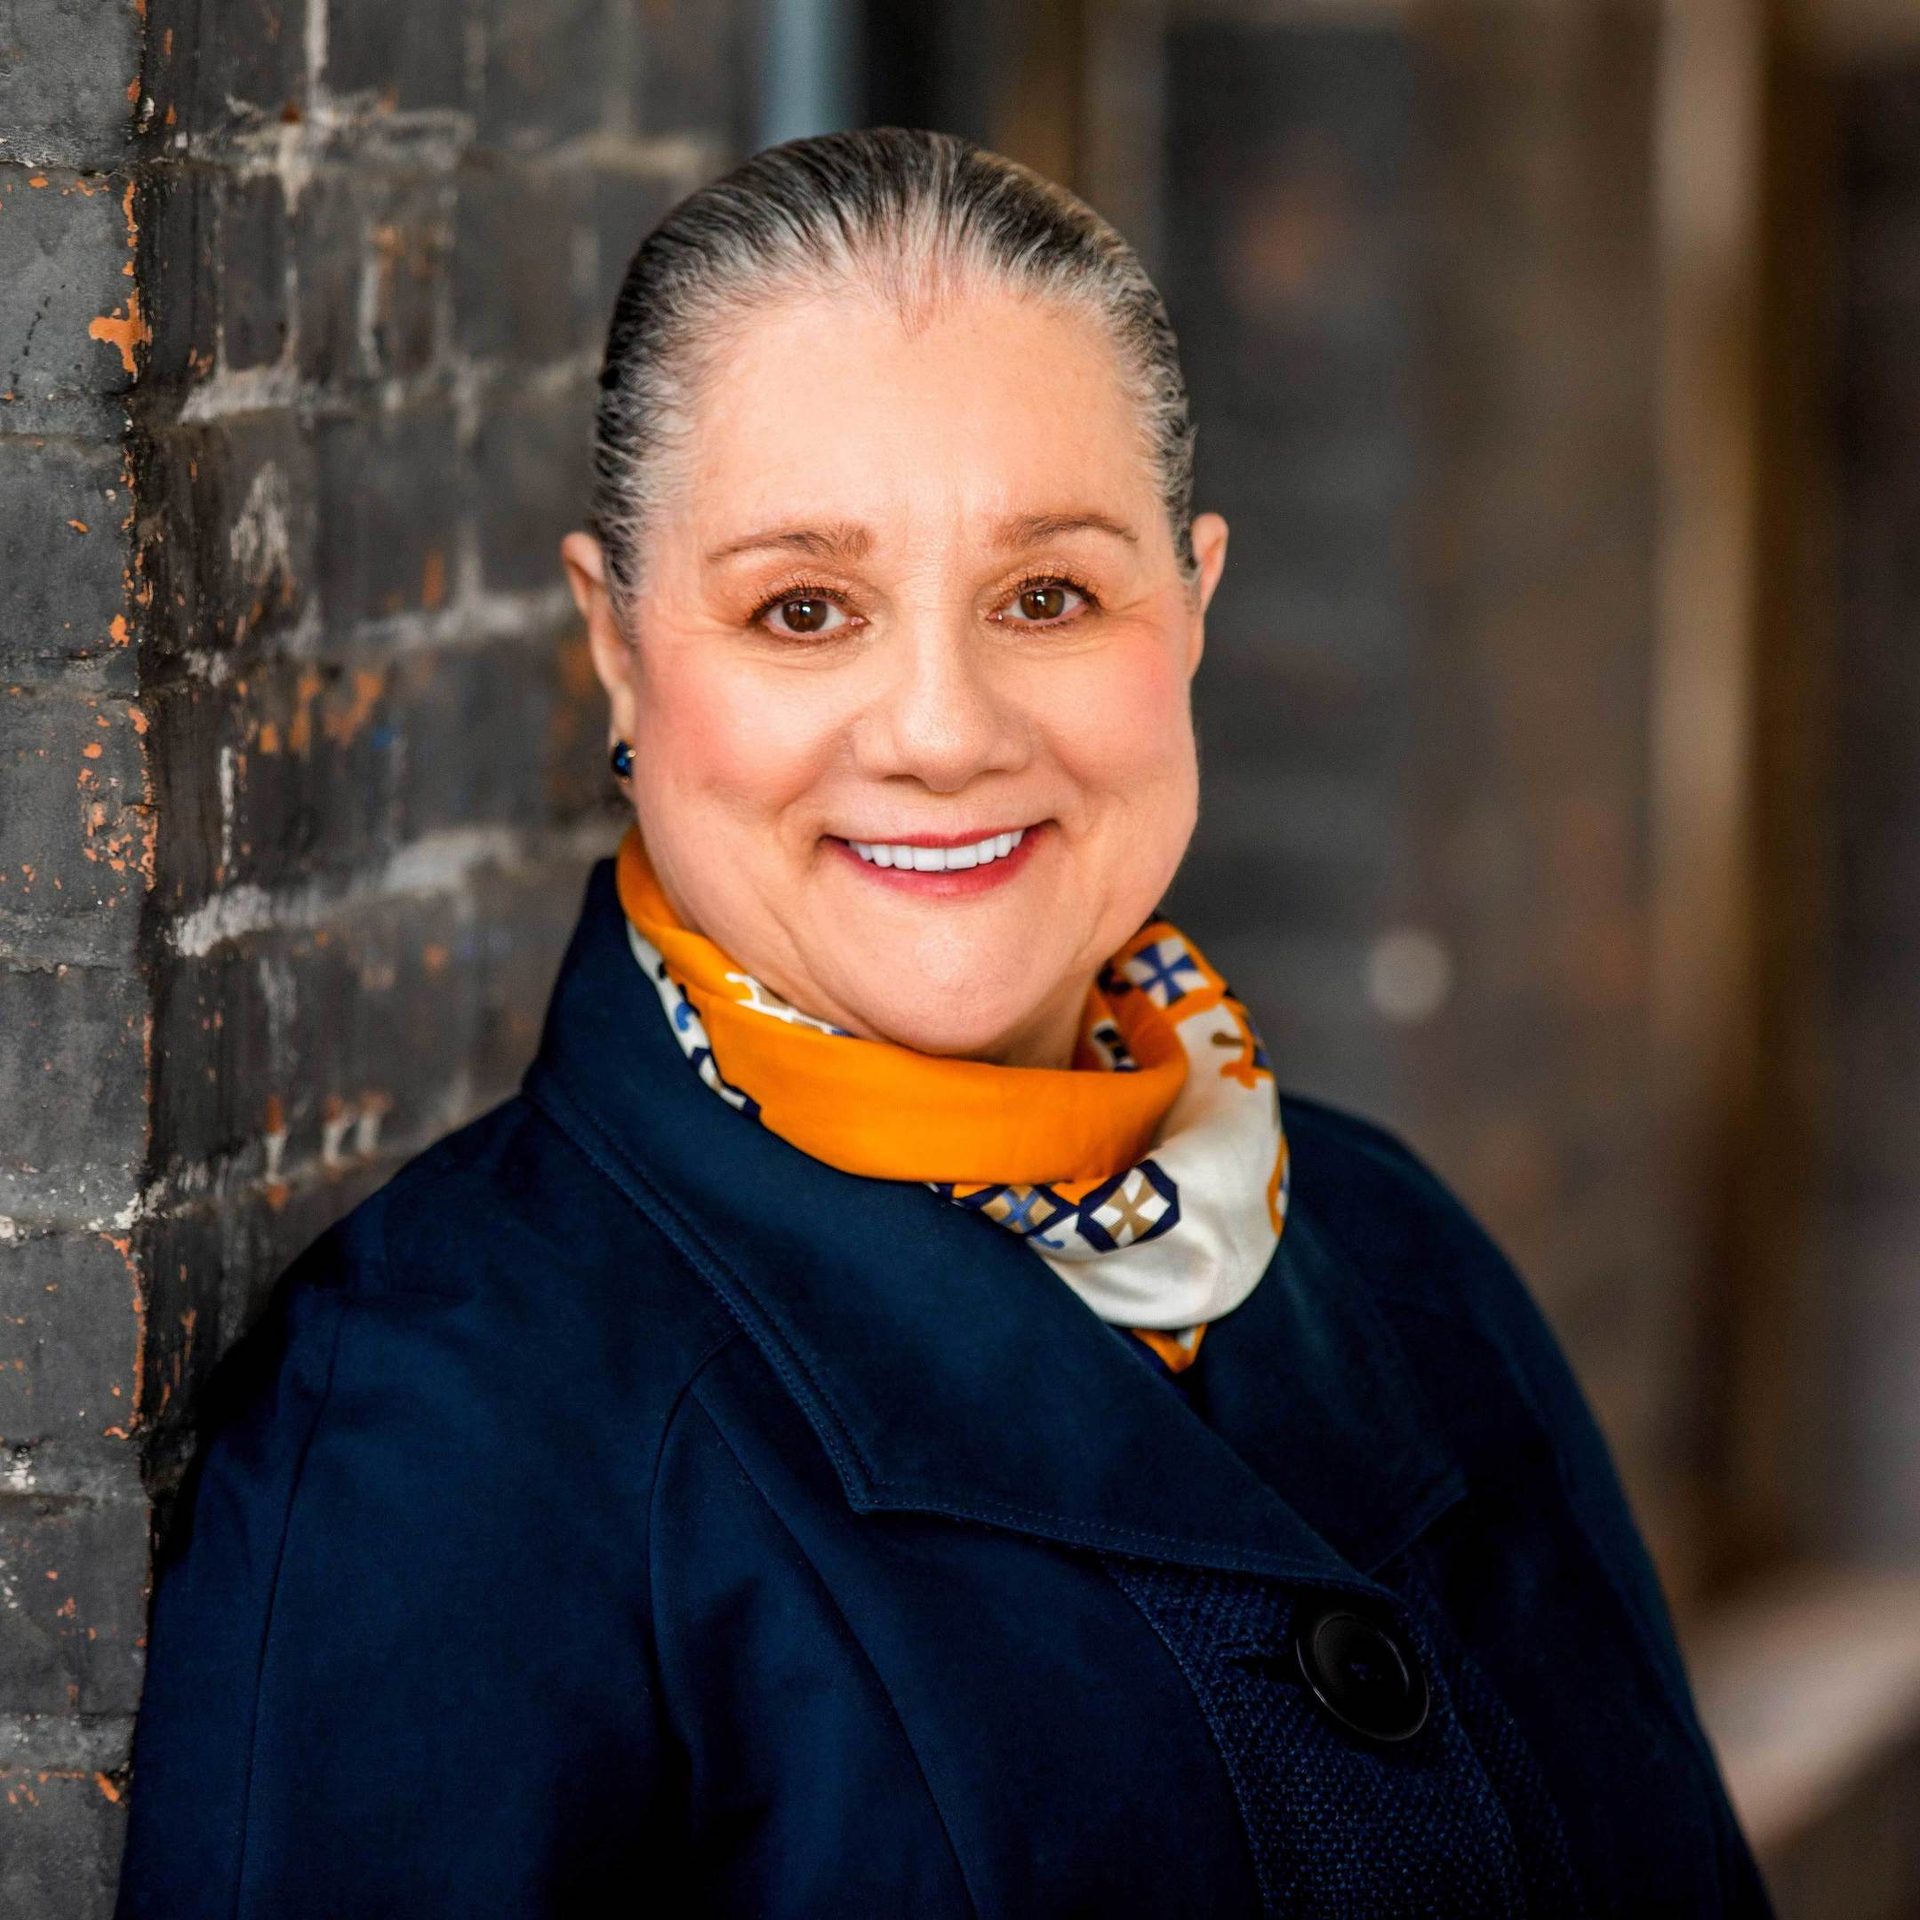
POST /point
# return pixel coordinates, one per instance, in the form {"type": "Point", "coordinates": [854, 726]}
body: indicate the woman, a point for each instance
{"type": "Point", "coordinates": [888, 1421]}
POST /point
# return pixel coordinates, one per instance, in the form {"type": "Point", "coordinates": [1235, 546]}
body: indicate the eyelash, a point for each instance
{"type": "Point", "coordinates": [813, 590]}
{"type": "Point", "coordinates": [1056, 579]}
{"type": "Point", "coordinates": [798, 590]}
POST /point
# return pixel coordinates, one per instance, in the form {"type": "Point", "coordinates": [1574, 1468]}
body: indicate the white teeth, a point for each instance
{"type": "Point", "coordinates": [880, 853]}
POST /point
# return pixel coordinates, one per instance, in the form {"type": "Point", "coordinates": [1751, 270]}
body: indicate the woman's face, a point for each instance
{"type": "Point", "coordinates": [914, 592]}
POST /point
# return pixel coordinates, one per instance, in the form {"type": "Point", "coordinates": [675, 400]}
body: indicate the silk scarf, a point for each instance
{"type": "Point", "coordinates": [1151, 1175]}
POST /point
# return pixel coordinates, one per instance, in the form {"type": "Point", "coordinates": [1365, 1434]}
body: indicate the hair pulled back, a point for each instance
{"type": "Point", "coordinates": [913, 217]}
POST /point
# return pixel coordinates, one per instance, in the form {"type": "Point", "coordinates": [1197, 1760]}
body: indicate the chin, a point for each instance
{"type": "Point", "coordinates": [980, 1036]}
{"type": "Point", "coordinates": [961, 1019]}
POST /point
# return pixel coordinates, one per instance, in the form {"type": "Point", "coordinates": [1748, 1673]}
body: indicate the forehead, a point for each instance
{"type": "Point", "coordinates": [839, 406]}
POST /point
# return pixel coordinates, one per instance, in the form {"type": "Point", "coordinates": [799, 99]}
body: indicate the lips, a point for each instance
{"type": "Point", "coordinates": [947, 868]}
{"type": "Point", "coordinates": [911, 856]}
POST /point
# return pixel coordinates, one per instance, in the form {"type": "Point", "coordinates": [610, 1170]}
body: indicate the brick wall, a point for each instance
{"type": "Point", "coordinates": [301, 757]}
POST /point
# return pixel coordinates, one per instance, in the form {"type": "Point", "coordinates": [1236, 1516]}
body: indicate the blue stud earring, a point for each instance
{"type": "Point", "coordinates": [620, 758]}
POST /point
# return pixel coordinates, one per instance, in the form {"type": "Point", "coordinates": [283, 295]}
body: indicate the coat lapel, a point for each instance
{"type": "Point", "coordinates": [948, 1371]}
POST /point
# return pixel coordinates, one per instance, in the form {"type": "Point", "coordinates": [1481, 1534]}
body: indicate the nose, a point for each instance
{"type": "Point", "coordinates": [941, 715]}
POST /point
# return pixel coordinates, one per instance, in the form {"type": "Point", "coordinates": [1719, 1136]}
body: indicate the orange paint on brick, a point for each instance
{"type": "Point", "coordinates": [79, 526]}
{"type": "Point", "coordinates": [133, 91]}
{"type": "Point", "coordinates": [91, 750]}
{"type": "Point", "coordinates": [127, 334]}
{"type": "Point", "coordinates": [368, 685]}
{"type": "Point", "coordinates": [138, 719]}
{"type": "Point", "coordinates": [38, 180]}
{"type": "Point", "coordinates": [117, 626]}
{"type": "Point", "coordinates": [300, 732]}
{"type": "Point", "coordinates": [107, 1787]}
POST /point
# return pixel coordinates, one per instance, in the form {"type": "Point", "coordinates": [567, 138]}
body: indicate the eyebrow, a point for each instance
{"type": "Point", "coordinates": [1025, 529]}
{"type": "Point", "coordinates": [845, 540]}
{"type": "Point", "coordinates": [839, 540]}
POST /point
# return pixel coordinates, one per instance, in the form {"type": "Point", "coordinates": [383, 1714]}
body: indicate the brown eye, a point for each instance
{"type": "Point", "coordinates": [1045, 602]}
{"type": "Point", "coordinates": [802, 614]}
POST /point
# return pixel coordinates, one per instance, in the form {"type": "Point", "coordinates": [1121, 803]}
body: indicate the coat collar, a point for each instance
{"type": "Point", "coordinates": [947, 1370]}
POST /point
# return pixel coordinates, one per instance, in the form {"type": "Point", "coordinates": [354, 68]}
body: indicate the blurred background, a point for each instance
{"type": "Point", "coordinates": [1557, 364]}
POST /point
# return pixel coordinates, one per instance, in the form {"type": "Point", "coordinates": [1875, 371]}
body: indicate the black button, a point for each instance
{"type": "Point", "coordinates": [1363, 1677]}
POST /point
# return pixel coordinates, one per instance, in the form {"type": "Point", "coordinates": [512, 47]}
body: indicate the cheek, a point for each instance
{"type": "Point", "coordinates": [1125, 734]}
{"type": "Point", "coordinates": [715, 734]}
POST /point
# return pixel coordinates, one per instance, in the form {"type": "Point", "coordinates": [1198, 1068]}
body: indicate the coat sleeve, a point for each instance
{"type": "Point", "coordinates": [391, 1668]}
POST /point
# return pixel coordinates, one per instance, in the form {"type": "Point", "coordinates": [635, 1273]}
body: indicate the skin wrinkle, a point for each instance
{"type": "Point", "coordinates": [917, 480]}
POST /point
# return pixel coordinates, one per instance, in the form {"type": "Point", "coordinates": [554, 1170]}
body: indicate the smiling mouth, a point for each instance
{"type": "Point", "coordinates": [912, 858]}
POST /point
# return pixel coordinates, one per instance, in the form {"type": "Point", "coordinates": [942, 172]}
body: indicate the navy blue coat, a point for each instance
{"type": "Point", "coordinates": [622, 1512]}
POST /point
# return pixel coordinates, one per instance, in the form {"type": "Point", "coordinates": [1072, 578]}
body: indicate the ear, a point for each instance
{"type": "Point", "coordinates": [1210, 557]}
{"type": "Point", "coordinates": [613, 657]}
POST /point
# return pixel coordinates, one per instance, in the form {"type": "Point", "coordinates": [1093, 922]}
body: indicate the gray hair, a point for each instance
{"type": "Point", "coordinates": [911, 215]}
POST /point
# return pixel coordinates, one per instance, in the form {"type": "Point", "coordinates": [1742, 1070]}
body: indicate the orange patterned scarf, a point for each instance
{"type": "Point", "coordinates": [1151, 1174]}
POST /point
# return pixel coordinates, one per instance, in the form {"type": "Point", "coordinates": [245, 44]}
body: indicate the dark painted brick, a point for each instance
{"type": "Point", "coordinates": [406, 56]}
{"type": "Point", "coordinates": [522, 291]}
{"type": "Point", "coordinates": [73, 1084]}
{"type": "Point", "coordinates": [314, 769]}
{"type": "Point", "coordinates": [373, 253]}
{"type": "Point", "coordinates": [388, 508]}
{"type": "Point", "coordinates": [76, 828]}
{"type": "Point", "coordinates": [252, 274]}
{"type": "Point", "coordinates": [547, 75]}
{"type": "Point", "coordinates": [289, 769]}
{"type": "Point", "coordinates": [286, 1052]}
{"type": "Point", "coordinates": [213, 70]}
{"type": "Point", "coordinates": [529, 481]}
{"type": "Point", "coordinates": [70, 1310]}
{"type": "Point", "coordinates": [71, 328]}
{"type": "Point", "coordinates": [626, 205]}
{"type": "Point", "coordinates": [578, 782]}
{"type": "Point", "coordinates": [65, 1829]}
{"type": "Point", "coordinates": [74, 1574]}
{"type": "Point", "coordinates": [316, 1048]}
{"type": "Point", "coordinates": [231, 553]}
{"type": "Point", "coordinates": [66, 516]}
{"type": "Point", "coordinates": [693, 63]}
{"type": "Point", "coordinates": [482, 726]}
{"type": "Point", "coordinates": [523, 918]}
{"type": "Point", "coordinates": [67, 70]}
{"type": "Point", "coordinates": [179, 240]}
